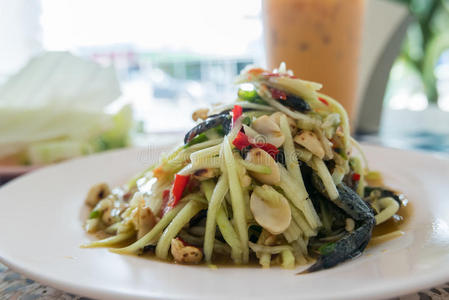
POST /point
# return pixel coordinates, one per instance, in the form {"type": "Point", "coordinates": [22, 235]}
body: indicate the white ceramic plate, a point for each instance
{"type": "Point", "coordinates": [41, 217]}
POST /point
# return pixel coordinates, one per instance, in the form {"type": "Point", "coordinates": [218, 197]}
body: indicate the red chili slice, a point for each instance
{"type": "Point", "coordinates": [277, 94]}
{"type": "Point", "coordinates": [236, 113]}
{"type": "Point", "coordinates": [178, 188]}
{"type": "Point", "coordinates": [324, 101]}
{"type": "Point", "coordinates": [241, 141]}
{"type": "Point", "coordinates": [269, 148]}
{"type": "Point", "coordinates": [272, 74]}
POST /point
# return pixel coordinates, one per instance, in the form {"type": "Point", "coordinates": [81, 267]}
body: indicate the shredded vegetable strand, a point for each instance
{"type": "Point", "coordinates": [255, 167]}
{"type": "Point", "coordinates": [326, 177]}
{"type": "Point", "coordinates": [203, 145]}
{"type": "Point", "coordinates": [181, 219]}
{"type": "Point", "coordinates": [302, 88]}
{"type": "Point", "coordinates": [358, 169]}
{"type": "Point", "coordinates": [389, 208]}
{"type": "Point", "coordinates": [152, 236]}
{"type": "Point", "coordinates": [269, 249]}
{"type": "Point", "coordinates": [300, 251]}
{"type": "Point", "coordinates": [299, 197]}
{"type": "Point", "coordinates": [325, 143]}
{"type": "Point", "coordinates": [205, 163]}
{"type": "Point", "coordinates": [205, 153]}
{"type": "Point", "coordinates": [225, 226]}
{"type": "Point", "coordinates": [302, 243]}
{"type": "Point", "coordinates": [299, 256]}
{"type": "Point", "coordinates": [303, 154]}
{"type": "Point", "coordinates": [300, 220]}
{"type": "Point", "coordinates": [362, 154]}
{"type": "Point", "coordinates": [264, 258]}
{"type": "Point", "coordinates": [290, 154]}
{"type": "Point", "coordinates": [229, 235]}
{"type": "Point", "coordinates": [289, 182]}
{"type": "Point", "coordinates": [295, 115]}
{"type": "Point", "coordinates": [338, 108]}
{"type": "Point", "coordinates": [293, 232]}
{"type": "Point", "coordinates": [288, 260]}
{"type": "Point", "coordinates": [111, 241]}
{"type": "Point", "coordinates": [238, 206]}
{"type": "Point", "coordinates": [219, 192]}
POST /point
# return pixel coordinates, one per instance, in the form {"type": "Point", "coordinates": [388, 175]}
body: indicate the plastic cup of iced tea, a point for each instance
{"type": "Point", "coordinates": [319, 40]}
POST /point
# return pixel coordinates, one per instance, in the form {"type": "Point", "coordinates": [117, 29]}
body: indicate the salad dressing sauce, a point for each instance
{"type": "Point", "coordinates": [397, 223]}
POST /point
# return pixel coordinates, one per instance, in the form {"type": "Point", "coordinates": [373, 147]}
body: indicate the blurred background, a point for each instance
{"type": "Point", "coordinates": [170, 57]}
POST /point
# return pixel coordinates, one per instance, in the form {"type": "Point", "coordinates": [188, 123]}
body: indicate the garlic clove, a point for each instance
{"type": "Point", "coordinates": [269, 129]}
{"type": "Point", "coordinates": [310, 141]}
{"type": "Point", "coordinates": [260, 157]}
{"type": "Point", "coordinates": [274, 217]}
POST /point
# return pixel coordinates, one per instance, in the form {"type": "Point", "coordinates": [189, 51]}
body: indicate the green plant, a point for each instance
{"type": "Point", "coordinates": [427, 38]}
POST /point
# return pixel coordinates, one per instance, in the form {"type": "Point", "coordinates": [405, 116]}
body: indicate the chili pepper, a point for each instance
{"type": "Point", "coordinates": [271, 74]}
{"type": "Point", "coordinates": [267, 147]}
{"type": "Point", "coordinates": [241, 141]}
{"type": "Point", "coordinates": [236, 113]}
{"type": "Point", "coordinates": [356, 177]}
{"type": "Point", "coordinates": [165, 195]}
{"type": "Point", "coordinates": [277, 94]}
{"type": "Point", "coordinates": [178, 188]}
{"type": "Point", "coordinates": [324, 101]}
